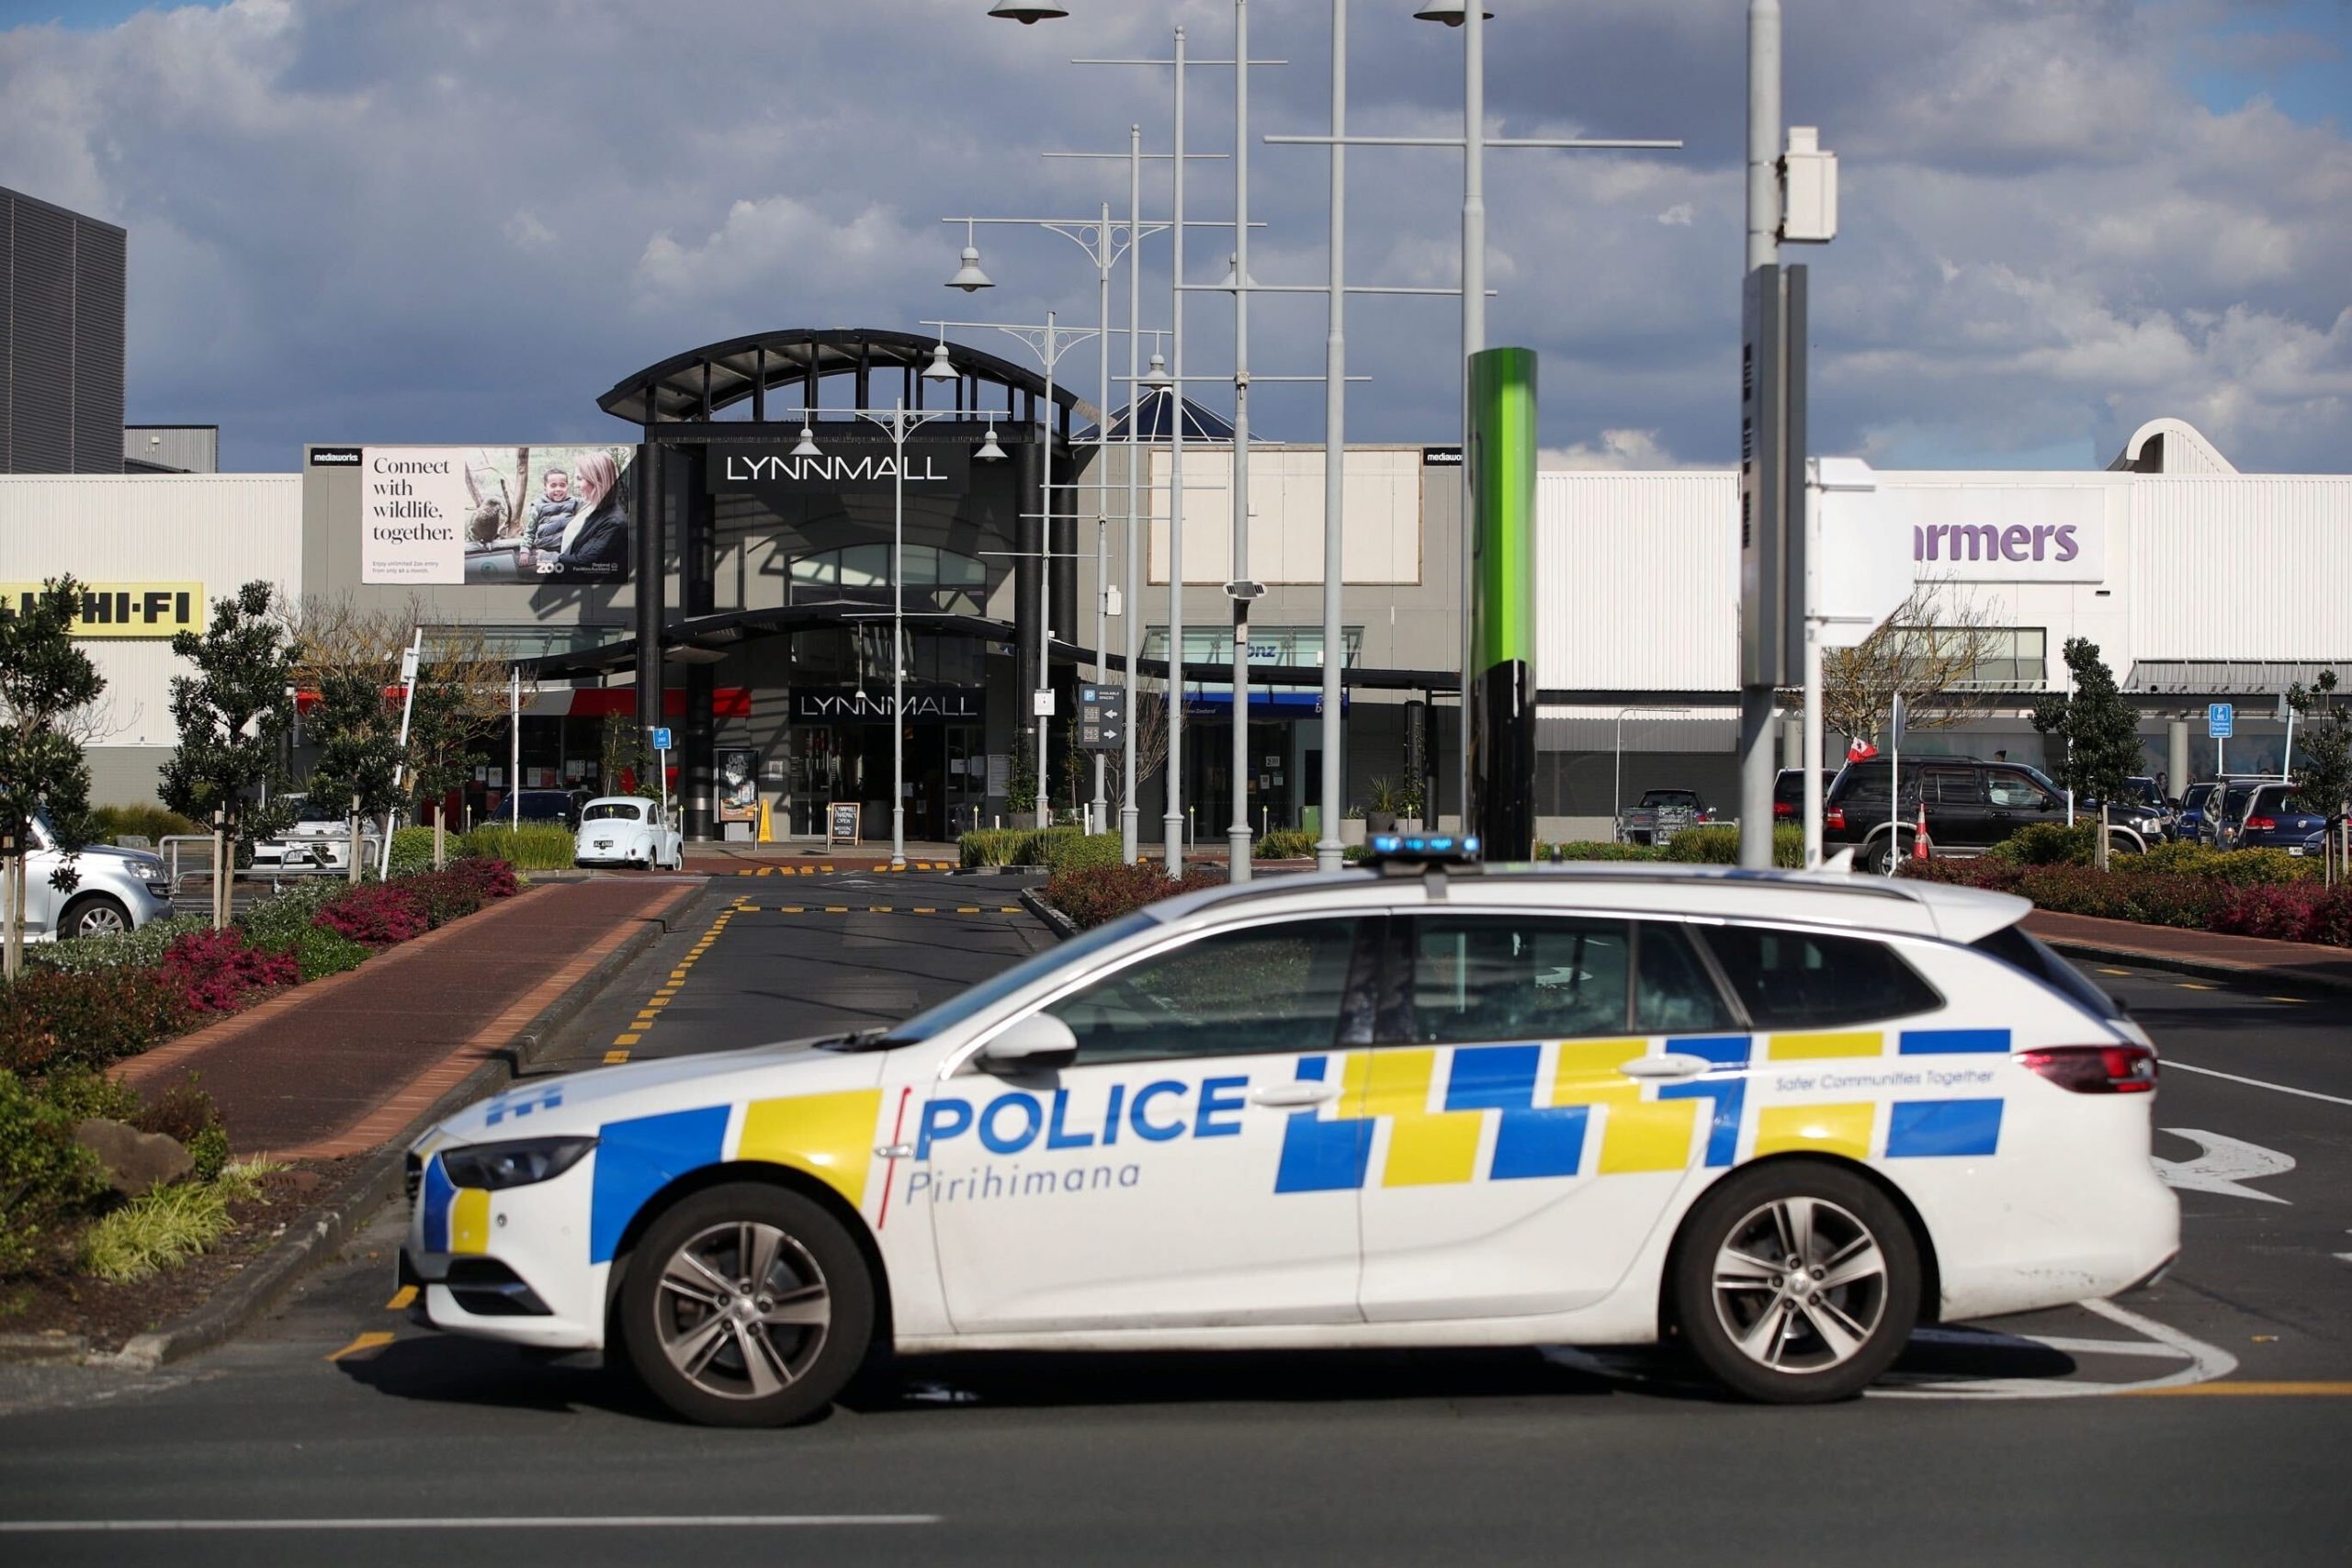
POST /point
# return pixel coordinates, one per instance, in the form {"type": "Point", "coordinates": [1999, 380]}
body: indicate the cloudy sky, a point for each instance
{"type": "Point", "coordinates": [443, 220]}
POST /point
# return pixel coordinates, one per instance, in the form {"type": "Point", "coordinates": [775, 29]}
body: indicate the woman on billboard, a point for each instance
{"type": "Point", "coordinates": [595, 544]}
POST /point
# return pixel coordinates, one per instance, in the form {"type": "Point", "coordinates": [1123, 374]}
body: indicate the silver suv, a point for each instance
{"type": "Point", "coordinates": [117, 890]}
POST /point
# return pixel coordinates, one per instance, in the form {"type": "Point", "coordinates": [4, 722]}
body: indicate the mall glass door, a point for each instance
{"type": "Point", "coordinates": [1209, 778]}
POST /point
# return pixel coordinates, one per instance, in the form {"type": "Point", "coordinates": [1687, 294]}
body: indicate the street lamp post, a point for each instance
{"type": "Point", "coordinates": [899, 423]}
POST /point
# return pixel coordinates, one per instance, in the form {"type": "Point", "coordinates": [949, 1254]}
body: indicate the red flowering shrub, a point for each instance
{"type": "Point", "coordinates": [2283, 911]}
{"type": "Point", "coordinates": [1096, 894]}
{"type": "Point", "coordinates": [446, 895]}
{"type": "Point", "coordinates": [376, 914]}
{"type": "Point", "coordinates": [51, 1021]}
{"type": "Point", "coordinates": [2330, 915]}
{"type": "Point", "coordinates": [216, 972]}
{"type": "Point", "coordinates": [493, 878]}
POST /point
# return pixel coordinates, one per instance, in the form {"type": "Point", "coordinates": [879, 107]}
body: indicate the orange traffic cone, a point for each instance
{"type": "Point", "coordinates": [1920, 847]}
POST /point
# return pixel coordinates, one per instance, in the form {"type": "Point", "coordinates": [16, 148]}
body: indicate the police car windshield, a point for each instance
{"type": "Point", "coordinates": [990, 991]}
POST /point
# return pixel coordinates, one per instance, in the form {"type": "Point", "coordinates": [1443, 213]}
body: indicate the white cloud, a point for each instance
{"type": "Point", "coordinates": [1617, 450]}
{"type": "Point", "coordinates": [1676, 216]}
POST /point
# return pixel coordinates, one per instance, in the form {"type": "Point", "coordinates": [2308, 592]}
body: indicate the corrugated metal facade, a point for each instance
{"type": "Point", "coordinates": [2242, 567]}
{"type": "Point", "coordinates": [221, 530]}
{"type": "Point", "coordinates": [1639, 584]}
{"type": "Point", "coordinates": [61, 344]}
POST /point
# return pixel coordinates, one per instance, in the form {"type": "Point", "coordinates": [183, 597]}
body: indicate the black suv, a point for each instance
{"type": "Point", "coordinates": [1971, 804]}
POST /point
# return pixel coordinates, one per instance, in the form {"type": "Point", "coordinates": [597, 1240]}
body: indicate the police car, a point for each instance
{"type": "Point", "coordinates": [1780, 1118]}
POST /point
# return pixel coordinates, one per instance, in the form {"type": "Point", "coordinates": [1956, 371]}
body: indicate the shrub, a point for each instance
{"type": "Point", "coordinates": [446, 895]}
{"type": "Point", "coordinates": [275, 922]}
{"type": "Point", "coordinates": [411, 851]}
{"type": "Point", "coordinates": [216, 971]}
{"type": "Point", "coordinates": [2330, 915]}
{"type": "Point", "coordinates": [488, 876]}
{"type": "Point", "coordinates": [1076, 851]}
{"type": "Point", "coordinates": [319, 952]}
{"type": "Point", "coordinates": [376, 913]}
{"type": "Point", "coordinates": [1719, 845]}
{"type": "Point", "coordinates": [1012, 846]}
{"type": "Point", "coordinates": [155, 1230]}
{"type": "Point", "coordinates": [146, 821]}
{"type": "Point", "coordinates": [81, 1095]}
{"type": "Point", "coordinates": [53, 1022]}
{"type": "Point", "coordinates": [140, 949]}
{"type": "Point", "coordinates": [2281, 912]}
{"type": "Point", "coordinates": [1285, 843]}
{"type": "Point", "coordinates": [1095, 894]}
{"type": "Point", "coordinates": [45, 1177]}
{"type": "Point", "coordinates": [2245, 868]}
{"type": "Point", "coordinates": [2049, 843]}
{"type": "Point", "coordinates": [186, 1112]}
{"type": "Point", "coordinates": [1597, 848]}
{"type": "Point", "coordinates": [535, 846]}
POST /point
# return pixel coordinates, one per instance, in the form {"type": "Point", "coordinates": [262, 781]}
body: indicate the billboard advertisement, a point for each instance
{"type": "Point", "coordinates": [517, 515]}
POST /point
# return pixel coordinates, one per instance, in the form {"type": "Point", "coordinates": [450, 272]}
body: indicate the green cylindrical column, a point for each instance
{"type": "Point", "coordinates": [1499, 686]}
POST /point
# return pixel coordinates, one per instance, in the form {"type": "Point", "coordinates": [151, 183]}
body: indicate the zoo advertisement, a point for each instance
{"type": "Point", "coordinates": [516, 516]}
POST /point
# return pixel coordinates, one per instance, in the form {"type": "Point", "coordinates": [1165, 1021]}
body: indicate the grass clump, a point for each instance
{"type": "Point", "coordinates": [156, 1230]}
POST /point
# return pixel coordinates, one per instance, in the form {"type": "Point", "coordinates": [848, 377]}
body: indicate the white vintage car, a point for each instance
{"type": "Point", "coordinates": [627, 829]}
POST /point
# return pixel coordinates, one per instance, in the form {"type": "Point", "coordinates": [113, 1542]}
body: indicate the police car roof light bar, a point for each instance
{"type": "Point", "coordinates": [1405, 854]}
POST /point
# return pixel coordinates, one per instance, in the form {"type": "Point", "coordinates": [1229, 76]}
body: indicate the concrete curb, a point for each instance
{"type": "Point", "coordinates": [1061, 925]}
{"type": "Point", "coordinates": [375, 1177]}
{"type": "Point", "coordinates": [2202, 969]}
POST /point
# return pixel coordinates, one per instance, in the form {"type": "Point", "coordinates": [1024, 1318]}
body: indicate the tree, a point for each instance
{"type": "Point", "coordinates": [441, 746]}
{"type": "Point", "coordinates": [44, 679]}
{"type": "Point", "coordinates": [234, 715]}
{"type": "Point", "coordinates": [1147, 716]}
{"type": "Point", "coordinates": [2091, 735]}
{"type": "Point", "coordinates": [1929, 652]}
{"type": "Point", "coordinates": [2324, 774]}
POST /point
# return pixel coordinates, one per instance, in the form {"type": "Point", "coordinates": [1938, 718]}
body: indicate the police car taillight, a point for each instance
{"type": "Point", "coordinates": [2096, 1069]}
{"type": "Point", "coordinates": [1424, 849]}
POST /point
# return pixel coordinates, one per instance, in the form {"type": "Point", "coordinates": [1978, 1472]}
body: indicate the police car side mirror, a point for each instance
{"type": "Point", "coordinates": [1040, 1042]}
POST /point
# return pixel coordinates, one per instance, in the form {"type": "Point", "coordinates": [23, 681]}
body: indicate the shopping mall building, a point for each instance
{"type": "Point", "coordinates": [709, 552]}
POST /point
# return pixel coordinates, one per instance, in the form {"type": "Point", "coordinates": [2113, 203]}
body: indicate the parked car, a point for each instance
{"type": "Point", "coordinates": [2141, 808]}
{"type": "Point", "coordinates": [1661, 814]}
{"type": "Point", "coordinates": [1971, 805]}
{"type": "Point", "coordinates": [627, 829]}
{"type": "Point", "coordinates": [1788, 794]}
{"type": "Point", "coordinates": [320, 836]}
{"type": "Point", "coordinates": [2276, 818]}
{"type": "Point", "coordinates": [2189, 822]}
{"type": "Point", "coordinates": [115, 890]}
{"type": "Point", "coordinates": [2227, 808]}
{"type": "Point", "coordinates": [541, 806]}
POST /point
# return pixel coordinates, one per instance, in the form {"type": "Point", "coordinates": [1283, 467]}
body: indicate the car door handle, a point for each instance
{"type": "Point", "coordinates": [1672, 1065]}
{"type": "Point", "coordinates": [1306, 1091]}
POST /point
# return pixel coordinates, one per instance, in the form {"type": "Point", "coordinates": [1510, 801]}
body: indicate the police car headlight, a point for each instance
{"type": "Point", "coordinates": [518, 1164]}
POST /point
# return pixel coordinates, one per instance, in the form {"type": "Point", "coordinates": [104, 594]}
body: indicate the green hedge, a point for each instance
{"type": "Point", "coordinates": [1597, 848]}
{"type": "Point", "coordinates": [1720, 846]}
{"type": "Point", "coordinates": [145, 821]}
{"type": "Point", "coordinates": [1285, 843]}
{"type": "Point", "coordinates": [1019, 846]}
{"type": "Point", "coordinates": [411, 851]}
{"type": "Point", "coordinates": [536, 846]}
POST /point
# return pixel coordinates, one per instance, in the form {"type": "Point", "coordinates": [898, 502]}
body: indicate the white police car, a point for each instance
{"type": "Point", "coordinates": [1780, 1116]}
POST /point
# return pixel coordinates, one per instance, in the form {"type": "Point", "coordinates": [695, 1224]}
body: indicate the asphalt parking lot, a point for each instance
{"type": "Point", "coordinates": [2203, 1420]}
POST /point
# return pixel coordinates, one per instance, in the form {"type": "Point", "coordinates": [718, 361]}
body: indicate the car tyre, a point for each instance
{"type": "Point", "coordinates": [747, 1305]}
{"type": "Point", "coordinates": [95, 914]}
{"type": "Point", "coordinates": [1819, 1331]}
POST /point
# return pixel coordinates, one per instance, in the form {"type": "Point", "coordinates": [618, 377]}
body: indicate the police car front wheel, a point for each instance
{"type": "Point", "coordinates": [746, 1305]}
{"type": "Point", "coordinates": [1797, 1282]}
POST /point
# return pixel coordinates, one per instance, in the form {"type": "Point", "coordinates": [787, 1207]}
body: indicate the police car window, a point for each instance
{"type": "Point", "coordinates": [1672, 992]}
{"type": "Point", "coordinates": [1250, 992]}
{"type": "Point", "coordinates": [1803, 980]}
{"type": "Point", "coordinates": [1517, 977]}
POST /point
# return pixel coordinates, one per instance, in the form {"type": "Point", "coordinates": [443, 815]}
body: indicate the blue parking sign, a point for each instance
{"type": "Point", "coordinates": [2220, 719]}
{"type": "Point", "coordinates": [662, 739]}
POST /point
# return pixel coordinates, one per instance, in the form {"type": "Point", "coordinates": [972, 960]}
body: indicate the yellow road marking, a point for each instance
{"type": "Point", "coordinates": [374, 1339]}
{"type": "Point", "coordinates": [837, 909]}
{"type": "Point", "coordinates": [2247, 1390]}
{"type": "Point", "coordinates": [615, 1059]}
{"type": "Point", "coordinates": [627, 1039]}
{"type": "Point", "coordinates": [2291, 1002]}
{"type": "Point", "coordinates": [925, 909]}
{"type": "Point", "coordinates": [2105, 970]}
{"type": "Point", "coordinates": [401, 1298]}
{"type": "Point", "coordinates": [2195, 985]}
{"type": "Point", "coordinates": [967, 909]}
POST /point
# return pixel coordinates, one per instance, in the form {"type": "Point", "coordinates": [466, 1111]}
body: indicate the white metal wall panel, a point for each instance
{"type": "Point", "coordinates": [1381, 544]}
{"type": "Point", "coordinates": [223, 530]}
{"type": "Point", "coordinates": [1637, 582]}
{"type": "Point", "coordinates": [2243, 567]}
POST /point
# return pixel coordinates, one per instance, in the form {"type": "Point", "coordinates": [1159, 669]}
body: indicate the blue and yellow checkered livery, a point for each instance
{"type": "Point", "coordinates": [1566, 1110]}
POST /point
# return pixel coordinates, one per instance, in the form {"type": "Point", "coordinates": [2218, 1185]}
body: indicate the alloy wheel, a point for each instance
{"type": "Point", "coordinates": [100, 920]}
{"type": "Point", "coordinates": [743, 1310]}
{"type": "Point", "coordinates": [1800, 1285]}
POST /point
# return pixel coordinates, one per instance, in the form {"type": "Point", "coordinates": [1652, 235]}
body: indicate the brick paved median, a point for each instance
{"type": "Point", "coordinates": [342, 1066]}
{"type": "Point", "coordinates": [2254, 957]}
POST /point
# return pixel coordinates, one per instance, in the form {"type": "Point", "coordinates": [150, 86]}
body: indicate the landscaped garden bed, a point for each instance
{"type": "Point", "coordinates": [118, 1207]}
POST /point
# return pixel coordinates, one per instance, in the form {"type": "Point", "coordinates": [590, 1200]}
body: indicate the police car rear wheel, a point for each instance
{"type": "Point", "coordinates": [1797, 1283]}
{"type": "Point", "coordinates": [747, 1305]}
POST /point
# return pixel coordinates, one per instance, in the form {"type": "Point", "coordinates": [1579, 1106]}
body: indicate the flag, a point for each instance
{"type": "Point", "coordinates": [1861, 750]}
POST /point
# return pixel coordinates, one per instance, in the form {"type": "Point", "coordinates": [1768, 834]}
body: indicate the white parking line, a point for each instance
{"type": "Point", "coordinates": [519, 1521]}
{"type": "Point", "coordinates": [2206, 1362]}
{"type": "Point", "coordinates": [2171, 1065]}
